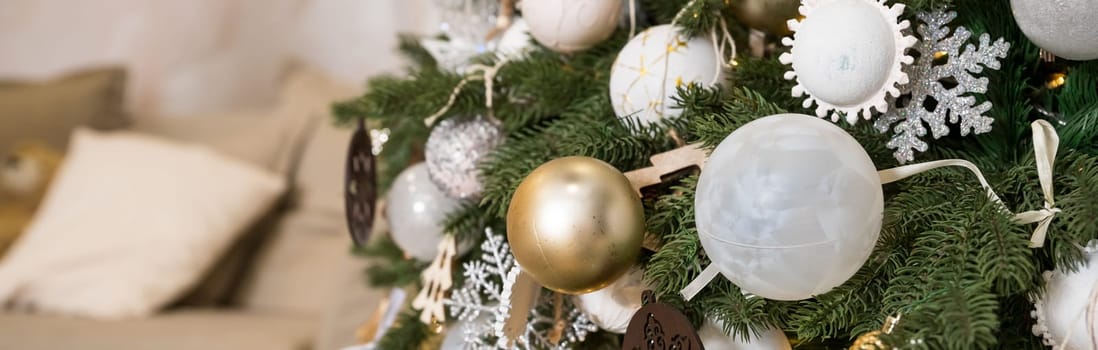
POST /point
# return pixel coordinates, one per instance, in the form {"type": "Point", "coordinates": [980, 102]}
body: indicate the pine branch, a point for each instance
{"type": "Point", "coordinates": [407, 332]}
{"type": "Point", "coordinates": [389, 267]}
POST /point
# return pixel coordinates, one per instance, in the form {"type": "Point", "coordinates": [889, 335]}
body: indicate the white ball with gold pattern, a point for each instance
{"type": "Point", "coordinates": [571, 25]}
{"type": "Point", "coordinates": [650, 68]}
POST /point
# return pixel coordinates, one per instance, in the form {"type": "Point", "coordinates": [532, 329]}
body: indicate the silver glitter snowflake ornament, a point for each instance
{"type": "Point", "coordinates": [484, 300]}
{"type": "Point", "coordinates": [932, 102]}
{"type": "Point", "coordinates": [455, 148]}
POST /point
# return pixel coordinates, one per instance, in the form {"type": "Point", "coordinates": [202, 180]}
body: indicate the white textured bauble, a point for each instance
{"type": "Point", "coordinates": [1063, 27]}
{"type": "Point", "coordinates": [847, 55]}
{"type": "Point", "coordinates": [415, 210]}
{"type": "Point", "coordinates": [788, 207]}
{"type": "Point", "coordinates": [650, 68]}
{"type": "Point", "coordinates": [455, 147]}
{"type": "Point", "coordinates": [571, 25]}
{"type": "Point", "coordinates": [611, 308]}
{"type": "Point", "coordinates": [1062, 311]}
{"type": "Point", "coordinates": [713, 337]}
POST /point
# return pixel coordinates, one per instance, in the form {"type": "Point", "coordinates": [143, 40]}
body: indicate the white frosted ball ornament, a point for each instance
{"type": "Point", "coordinates": [1061, 312]}
{"type": "Point", "coordinates": [713, 337]}
{"type": "Point", "coordinates": [847, 56]}
{"type": "Point", "coordinates": [612, 307]}
{"type": "Point", "coordinates": [788, 207]}
{"type": "Point", "coordinates": [1063, 27]}
{"type": "Point", "coordinates": [649, 69]}
{"type": "Point", "coordinates": [571, 25]}
{"type": "Point", "coordinates": [416, 209]}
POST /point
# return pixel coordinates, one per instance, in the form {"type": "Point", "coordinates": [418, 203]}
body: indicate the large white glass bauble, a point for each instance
{"type": "Point", "coordinates": [649, 69]}
{"type": "Point", "coordinates": [1063, 27]}
{"type": "Point", "coordinates": [713, 337]}
{"type": "Point", "coordinates": [571, 25]}
{"type": "Point", "coordinates": [612, 307]}
{"type": "Point", "coordinates": [1062, 310]}
{"type": "Point", "coordinates": [788, 207]}
{"type": "Point", "coordinates": [415, 210]}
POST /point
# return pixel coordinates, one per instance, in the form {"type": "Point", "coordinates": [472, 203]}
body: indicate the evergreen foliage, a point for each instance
{"type": "Point", "coordinates": [948, 259]}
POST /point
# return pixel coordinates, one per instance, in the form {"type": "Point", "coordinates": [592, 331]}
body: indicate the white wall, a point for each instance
{"type": "Point", "coordinates": [195, 56]}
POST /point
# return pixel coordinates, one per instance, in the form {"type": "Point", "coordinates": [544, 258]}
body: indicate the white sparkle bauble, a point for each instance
{"type": "Point", "coordinates": [713, 337]}
{"type": "Point", "coordinates": [611, 308]}
{"type": "Point", "coordinates": [454, 149]}
{"type": "Point", "coordinates": [571, 25]}
{"type": "Point", "coordinates": [1063, 27]}
{"type": "Point", "coordinates": [415, 211]}
{"type": "Point", "coordinates": [649, 69]}
{"type": "Point", "coordinates": [1063, 309]}
{"type": "Point", "coordinates": [847, 55]}
{"type": "Point", "coordinates": [788, 206]}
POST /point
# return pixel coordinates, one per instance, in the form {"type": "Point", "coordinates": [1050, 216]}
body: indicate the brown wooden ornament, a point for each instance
{"type": "Point", "coordinates": [664, 164]}
{"type": "Point", "coordinates": [659, 326]}
{"type": "Point", "coordinates": [667, 163]}
{"type": "Point", "coordinates": [360, 185]}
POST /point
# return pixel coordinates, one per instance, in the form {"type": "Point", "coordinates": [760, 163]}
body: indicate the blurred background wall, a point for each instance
{"type": "Point", "coordinates": [196, 56]}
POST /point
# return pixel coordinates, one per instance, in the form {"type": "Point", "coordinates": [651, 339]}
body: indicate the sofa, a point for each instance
{"type": "Point", "coordinates": [289, 282]}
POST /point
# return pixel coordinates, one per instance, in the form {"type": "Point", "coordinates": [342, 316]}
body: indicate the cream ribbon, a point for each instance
{"type": "Point", "coordinates": [1045, 144]}
{"type": "Point", "coordinates": [476, 72]}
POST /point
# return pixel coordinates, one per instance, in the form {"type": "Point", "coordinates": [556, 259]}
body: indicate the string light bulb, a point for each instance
{"type": "Point", "coordinates": [1056, 80]}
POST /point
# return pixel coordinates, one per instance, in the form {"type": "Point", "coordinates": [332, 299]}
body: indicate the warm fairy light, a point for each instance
{"type": "Point", "coordinates": [940, 54]}
{"type": "Point", "coordinates": [1056, 80]}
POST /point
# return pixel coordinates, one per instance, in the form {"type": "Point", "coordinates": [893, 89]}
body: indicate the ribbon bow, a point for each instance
{"type": "Point", "coordinates": [1045, 144]}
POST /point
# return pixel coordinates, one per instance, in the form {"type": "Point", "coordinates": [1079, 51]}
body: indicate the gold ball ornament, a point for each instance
{"type": "Point", "coordinates": [575, 224]}
{"type": "Point", "coordinates": [766, 15]}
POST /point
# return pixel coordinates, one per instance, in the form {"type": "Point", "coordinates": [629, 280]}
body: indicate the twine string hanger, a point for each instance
{"type": "Point", "coordinates": [477, 72]}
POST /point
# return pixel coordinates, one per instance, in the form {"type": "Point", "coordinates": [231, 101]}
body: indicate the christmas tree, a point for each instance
{"type": "Point", "coordinates": [935, 257]}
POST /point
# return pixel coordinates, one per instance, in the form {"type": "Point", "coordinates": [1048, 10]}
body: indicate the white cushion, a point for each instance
{"type": "Point", "coordinates": [130, 223]}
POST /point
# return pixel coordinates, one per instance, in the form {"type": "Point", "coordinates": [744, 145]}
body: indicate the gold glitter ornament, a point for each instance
{"type": "Point", "coordinates": [869, 341]}
{"type": "Point", "coordinates": [575, 224]}
{"type": "Point", "coordinates": [872, 340]}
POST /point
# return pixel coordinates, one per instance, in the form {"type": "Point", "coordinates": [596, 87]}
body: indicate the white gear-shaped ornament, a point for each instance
{"type": "Point", "coordinates": [847, 55]}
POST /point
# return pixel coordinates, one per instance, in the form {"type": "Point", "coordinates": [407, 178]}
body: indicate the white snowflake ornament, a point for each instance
{"type": "Point", "coordinates": [847, 56]}
{"type": "Point", "coordinates": [483, 302]}
{"type": "Point", "coordinates": [955, 104]}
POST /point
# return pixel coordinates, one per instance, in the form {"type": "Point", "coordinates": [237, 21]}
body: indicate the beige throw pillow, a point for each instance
{"type": "Point", "coordinates": [130, 224]}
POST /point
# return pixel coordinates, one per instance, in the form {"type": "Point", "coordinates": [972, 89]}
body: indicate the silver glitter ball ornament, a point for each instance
{"type": "Point", "coordinates": [455, 148]}
{"type": "Point", "coordinates": [1063, 27]}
